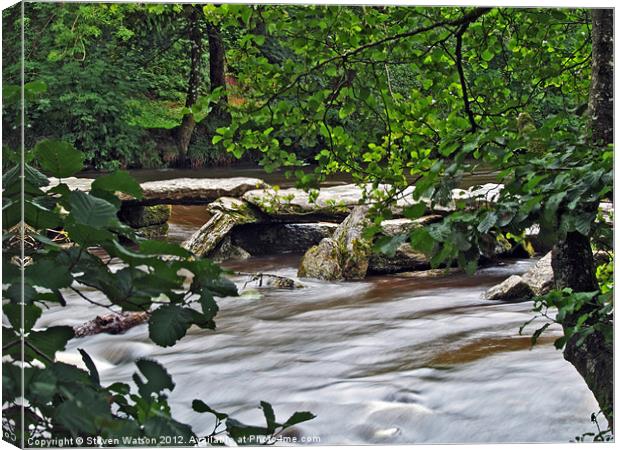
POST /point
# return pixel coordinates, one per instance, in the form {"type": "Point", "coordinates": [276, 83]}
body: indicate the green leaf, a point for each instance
{"type": "Point", "coordinates": [48, 342]}
{"type": "Point", "coordinates": [488, 55]}
{"type": "Point", "coordinates": [89, 210]}
{"type": "Point", "coordinates": [13, 312]}
{"type": "Point", "coordinates": [58, 158]}
{"type": "Point", "coordinates": [202, 407]}
{"type": "Point", "coordinates": [47, 273]}
{"type": "Point", "coordinates": [298, 417]}
{"type": "Point", "coordinates": [39, 217]}
{"type": "Point", "coordinates": [389, 244]}
{"type": "Point", "coordinates": [157, 378]}
{"type": "Point", "coordinates": [120, 181]}
{"type": "Point", "coordinates": [421, 240]}
{"type": "Point", "coordinates": [168, 324]}
{"type": "Point", "coordinates": [90, 365]}
{"type": "Point", "coordinates": [270, 416]}
{"type": "Point", "coordinates": [414, 211]}
{"type": "Point", "coordinates": [158, 426]}
{"type": "Point", "coordinates": [82, 412]}
{"type": "Point", "coordinates": [208, 304]}
{"type": "Point", "coordinates": [488, 221]}
{"type": "Point", "coordinates": [86, 235]}
{"type": "Point", "coordinates": [222, 286]}
{"type": "Point", "coordinates": [244, 434]}
{"type": "Point", "coordinates": [154, 247]}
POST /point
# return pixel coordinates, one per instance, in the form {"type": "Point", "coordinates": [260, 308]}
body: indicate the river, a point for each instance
{"type": "Point", "coordinates": [390, 360]}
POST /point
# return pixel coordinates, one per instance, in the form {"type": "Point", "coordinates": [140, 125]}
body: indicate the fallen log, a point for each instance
{"type": "Point", "coordinates": [113, 323]}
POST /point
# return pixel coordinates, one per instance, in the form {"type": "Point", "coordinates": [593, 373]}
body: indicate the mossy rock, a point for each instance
{"type": "Point", "coordinates": [226, 213]}
{"type": "Point", "coordinates": [153, 231]}
{"type": "Point", "coordinates": [144, 216]}
{"type": "Point", "coordinates": [322, 262]}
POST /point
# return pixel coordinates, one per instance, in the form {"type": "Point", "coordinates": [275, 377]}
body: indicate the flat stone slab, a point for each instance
{"type": "Point", "coordinates": [182, 191]}
{"type": "Point", "coordinates": [196, 190]}
{"type": "Point", "coordinates": [336, 202]}
{"type": "Point", "coordinates": [332, 203]}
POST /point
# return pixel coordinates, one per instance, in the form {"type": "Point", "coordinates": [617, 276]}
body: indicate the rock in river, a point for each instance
{"type": "Point", "coordinates": [226, 213]}
{"type": "Point", "coordinates": [536, 281]}
{"type": "Point", "coordinates": [345, 255]}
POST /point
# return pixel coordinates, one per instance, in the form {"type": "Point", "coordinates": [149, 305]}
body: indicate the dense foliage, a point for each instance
{"type": "Point", "coordinates": [49, 255]}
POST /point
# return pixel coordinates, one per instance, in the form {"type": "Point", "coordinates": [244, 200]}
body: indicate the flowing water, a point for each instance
{"type": "Point", "coordinates": [388, 360]}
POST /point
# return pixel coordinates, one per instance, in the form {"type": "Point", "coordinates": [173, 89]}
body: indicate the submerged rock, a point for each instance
{"type": "Point", "coordinates": [431, 273]}
{"type": "Point", "coordinates": [269, 280]}
{"type": "Point", "coordinates": [537, 281]}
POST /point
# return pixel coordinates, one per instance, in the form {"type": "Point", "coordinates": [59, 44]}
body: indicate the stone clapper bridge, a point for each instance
{"type": "Point", "coordinates": [250, 218]}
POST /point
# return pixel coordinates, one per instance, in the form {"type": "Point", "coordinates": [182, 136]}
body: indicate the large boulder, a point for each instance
{"type": "Point", "coordinates": [537, 281]}
{"type": "Point", "coordinates": [355, 250]}
{"type": "Point", "coordinates": [352, 253]}
{"type": "Point", "coordinates": [322, 261]}
{"type": "Point", "coordinates": [540, 278]}
{"type": "Point", "coordinates": [226, 213]}
{"type": "Point", "coordinates": [513, 288]}
{"type": "Point", "coordinates": [344, 256]}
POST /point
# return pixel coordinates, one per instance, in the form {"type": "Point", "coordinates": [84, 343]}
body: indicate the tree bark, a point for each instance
{"type": "Point", "coordinates": [572, 260]}
{"type": "Point", "coordinates": [188, 123]}
{"type": "Point", "coordinates": [601, 104]}
{"type": "Point", "coordinates": [218, 115]}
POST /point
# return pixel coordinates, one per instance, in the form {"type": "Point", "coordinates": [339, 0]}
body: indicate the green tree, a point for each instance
{"type": "Point", "coordinates": [472, 72]}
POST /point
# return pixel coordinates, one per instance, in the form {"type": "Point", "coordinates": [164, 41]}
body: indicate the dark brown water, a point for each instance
{"type": "Point", "coordinates": [388, 360]}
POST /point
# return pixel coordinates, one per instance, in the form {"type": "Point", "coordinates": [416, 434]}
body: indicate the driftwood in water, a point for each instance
{"type": "Point", "coordinates": [112, 323]}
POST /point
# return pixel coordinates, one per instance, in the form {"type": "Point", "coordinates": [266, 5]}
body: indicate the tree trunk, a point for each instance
{"type": "Point", "coordinates": [188, 123]}
{"type": "Point", "coordinates": [218, 116]}
{"type": "Point", "coordinates": [572, 261]}
{"type": "Point", "coordinates": [601, 103]}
